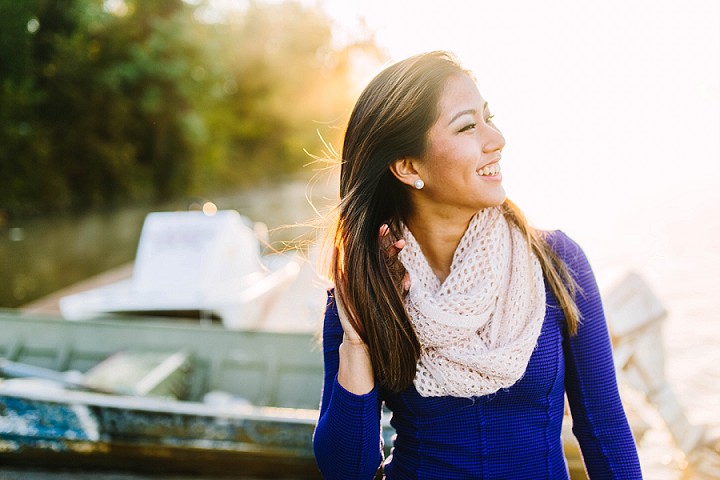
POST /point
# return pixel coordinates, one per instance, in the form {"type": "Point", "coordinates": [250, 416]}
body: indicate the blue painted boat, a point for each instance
{"type": "Point", "coordinates": [228, 401]}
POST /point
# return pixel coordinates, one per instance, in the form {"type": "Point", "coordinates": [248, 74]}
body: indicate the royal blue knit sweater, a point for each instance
{"type": "Point", "coordinates": [513, 434]}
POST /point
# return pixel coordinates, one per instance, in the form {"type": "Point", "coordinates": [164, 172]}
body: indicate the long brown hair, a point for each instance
{"type": "Point", "coordinates": [391, 120]}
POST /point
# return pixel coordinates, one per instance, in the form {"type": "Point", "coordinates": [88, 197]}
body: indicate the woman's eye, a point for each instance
{"type": "Point", "coordinates": [490, 119]}
{"type": "Point", "coordinates": [468, 127]}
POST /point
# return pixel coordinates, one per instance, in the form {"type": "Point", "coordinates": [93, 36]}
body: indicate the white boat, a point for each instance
{"type": "Point", "coordinates": [194, 264]}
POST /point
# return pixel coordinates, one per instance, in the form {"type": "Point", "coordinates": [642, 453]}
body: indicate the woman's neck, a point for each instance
{"type": "Point", "coordinates": [438, 237]}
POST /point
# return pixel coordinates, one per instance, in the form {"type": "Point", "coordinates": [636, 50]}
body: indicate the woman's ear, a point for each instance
{"type": "Point", "coordinates": [404, 170]}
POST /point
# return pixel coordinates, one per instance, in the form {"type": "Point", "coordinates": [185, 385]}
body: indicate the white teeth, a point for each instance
{"type": "Point", "coordinates": [488, 170]}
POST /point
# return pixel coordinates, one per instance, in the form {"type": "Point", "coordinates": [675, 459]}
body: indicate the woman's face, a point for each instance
{"type": "Point", "coordinates": [461, 167]}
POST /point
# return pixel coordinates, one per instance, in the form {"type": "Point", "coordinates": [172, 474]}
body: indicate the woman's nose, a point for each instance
{"type": "Point", "coordinates": [493, 139]}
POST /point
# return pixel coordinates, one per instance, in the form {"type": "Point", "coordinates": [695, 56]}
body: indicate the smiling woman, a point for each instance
{"type": "Point", "coordinates": [461, 163]}
{"type": "Point", "coordinates": [582, 89]}
{"type": "Point", "coordinates": [440, 308]}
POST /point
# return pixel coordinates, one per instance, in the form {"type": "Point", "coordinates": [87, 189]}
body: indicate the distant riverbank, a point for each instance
{"type": "Point", "coordinates": [40, 256]}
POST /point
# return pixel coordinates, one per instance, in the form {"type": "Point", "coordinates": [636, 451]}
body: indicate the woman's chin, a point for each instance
{"type": "Point", "coordinates": [496, 199]}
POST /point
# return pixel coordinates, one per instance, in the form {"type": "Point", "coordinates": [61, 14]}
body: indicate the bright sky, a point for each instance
{"type": "Point", "coordinates": [606, 106]}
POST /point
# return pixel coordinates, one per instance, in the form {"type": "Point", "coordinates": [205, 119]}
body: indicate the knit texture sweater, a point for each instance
{"type": "Point", "coordinates": [513, 434]}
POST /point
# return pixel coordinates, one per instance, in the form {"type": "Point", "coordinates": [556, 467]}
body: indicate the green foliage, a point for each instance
{"type": "Point", "coordinates": [105, 102]}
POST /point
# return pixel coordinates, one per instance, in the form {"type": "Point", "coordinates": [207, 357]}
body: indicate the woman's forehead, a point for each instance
{"type": "Point", "coordinates": [460, 94]}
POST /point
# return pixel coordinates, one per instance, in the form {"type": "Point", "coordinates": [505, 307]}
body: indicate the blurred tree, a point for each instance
{"type": "Point", "coordinates": [20, 134]}
{"type": "Point", "coordinates": [280, 84]}
{"type": "Point", "coordinates": [109, 101]}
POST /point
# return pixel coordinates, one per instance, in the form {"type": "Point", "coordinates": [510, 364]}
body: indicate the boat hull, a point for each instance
{"type": "Point", "coordinates": [88, 431]}
{"type": "Point", "coordinates": [259, 423]}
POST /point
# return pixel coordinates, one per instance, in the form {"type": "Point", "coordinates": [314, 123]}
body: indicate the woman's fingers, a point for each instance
{"type": "Point", "coordinates": [394, 248]}
{"type": "Point", "coordinates": [384, 229]}
{"type": "Point", "coordinates": [406, 282]}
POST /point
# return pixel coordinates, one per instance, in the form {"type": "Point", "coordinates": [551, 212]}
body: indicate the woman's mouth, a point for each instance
{"type": "Point", "coordinates": [489, 170]}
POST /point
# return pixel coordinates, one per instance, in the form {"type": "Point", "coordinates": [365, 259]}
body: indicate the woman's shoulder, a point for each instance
{"type": "Point", "coordinates": [564, 247]}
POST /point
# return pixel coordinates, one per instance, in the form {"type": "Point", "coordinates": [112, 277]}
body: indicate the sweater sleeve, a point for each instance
{"type": "Point", "coordinates": [599, 421]}
{"type": "Point", "coordinates": [347, 440]}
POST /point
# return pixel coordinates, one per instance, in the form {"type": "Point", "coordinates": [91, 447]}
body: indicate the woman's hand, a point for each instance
{"type": "Point", "coordinates": [391, 248]}
{"type": "Point", "coordinates": [350, 335]}
{"type": "Point", "coordinates": [355, 371]}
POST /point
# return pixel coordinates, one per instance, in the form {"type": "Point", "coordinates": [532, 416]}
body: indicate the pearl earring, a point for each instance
{"type": "Point", "coordinates": [419, 184]}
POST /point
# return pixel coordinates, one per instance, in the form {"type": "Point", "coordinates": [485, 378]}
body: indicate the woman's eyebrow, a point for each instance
{"type": "Point", "coordinates": [470, 111]}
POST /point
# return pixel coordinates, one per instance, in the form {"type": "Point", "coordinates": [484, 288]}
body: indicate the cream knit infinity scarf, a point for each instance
{"type": "Point", "coordinates": [479, 327]}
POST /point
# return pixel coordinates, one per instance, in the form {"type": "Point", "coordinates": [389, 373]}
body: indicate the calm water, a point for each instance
{"type": "Point", "coordinates": [673, 245]}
